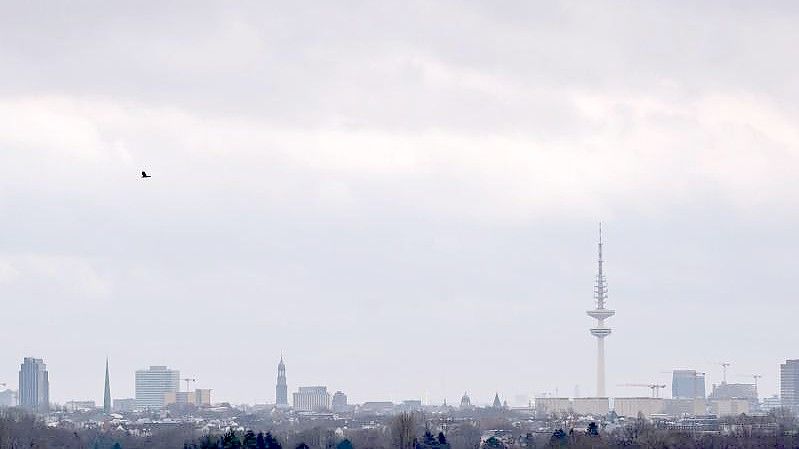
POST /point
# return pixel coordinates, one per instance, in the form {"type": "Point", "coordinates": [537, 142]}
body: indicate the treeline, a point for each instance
{"type": "Point", "coordinates": [232, 440]}
{"type": "Point", "coordinates": [669, 439]}
{"type": "Point", "coordinates": [20, 430]}
{"type": "Point", "coordinates": [406, 431]}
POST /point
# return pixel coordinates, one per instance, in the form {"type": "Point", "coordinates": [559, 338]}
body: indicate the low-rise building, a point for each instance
{"type": "Point", "coordinates": [771, 403]}
{"type": "Point", "coordinates": [548, 406]}
{"type": "Point", "coordinates": [730, 407]}
{"type": "Point", "coordinates": [631, 407]}
{"type": "Point", "coordinates": [8, 398]}
{"type": "Point", "coordinates": [82, 406]}
{"type": "Point", "coordinates": [591, 406]}
{"type": "Point", "coordinates": [124, 405]}
{"type": "Point", "coordinates": [377, 407]}
{"type": "Point", "coordinates": [726, 391]}
{"type": "Point", "coordinates": [685, 407]}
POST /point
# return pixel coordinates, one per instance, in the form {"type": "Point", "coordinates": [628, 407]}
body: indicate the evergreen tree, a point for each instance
{"type": "Point", "coordinates": [344, 444]}
{"type": "Point", "coordinates": [230, 440]}
{"type": "Point", "coordinates": [302, 446]}
{"type": "Point", "coordinates": [207, 443]}
{"type": "Point", "coordinates": [116, 446]}
{"type": "Point", "coordinates": [271, 442]}
{"type": "Point", "coordinates": [593, 429]}
{"type": "Point", "coordinates": [493, 443]}
{"type": "Point", "coordinates": [249, 440]}
{"type": "Point", "coordinates": [442, 439]}
{"type": "Point", "coordinates": [559, 438]}
{"type": "Point", "coordinates": [260, 443]}
{"type": "Point", "coordinates": [529, 441]}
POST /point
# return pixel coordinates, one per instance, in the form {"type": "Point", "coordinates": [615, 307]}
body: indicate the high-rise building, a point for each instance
{"type": "Point", "coordinates": [789, 385]}
{"type": "Point", "coordinates": [281, 390]}
{"type": "Point", "coordinates": [339, 402]}
{"type": "Point", "coordinates": [687, 384]}
{"type": "Point", "coordinates": [34, 385]}
{"type": "Point", "coordinates": [312, 399]}
{"type": "Point", "coordinates": [107, 391]}
{"type": "Point", "coordinates": [600, 314]}
{"type": "Point", "coordinates": [153, 383]}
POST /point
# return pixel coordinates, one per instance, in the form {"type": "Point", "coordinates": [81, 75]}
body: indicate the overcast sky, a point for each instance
{"type": "Point", "coordinates": [402, 197]}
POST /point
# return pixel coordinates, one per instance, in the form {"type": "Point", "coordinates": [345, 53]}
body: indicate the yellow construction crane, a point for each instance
{"type": "Point", "coordinates": [654, 387]}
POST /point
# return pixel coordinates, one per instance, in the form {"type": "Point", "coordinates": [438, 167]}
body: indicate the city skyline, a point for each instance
{"type": "Point", "coordinates": [349, 183]}
{"type": "Point", "coordinates": [687, 385]}
{"type": "Point", "coordinates": [600, 296]}
{"type": "Point", "coordinates": [600, 313]}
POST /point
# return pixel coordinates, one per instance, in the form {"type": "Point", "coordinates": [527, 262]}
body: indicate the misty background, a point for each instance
{"type": "Point", "coordinates": [402, 197]}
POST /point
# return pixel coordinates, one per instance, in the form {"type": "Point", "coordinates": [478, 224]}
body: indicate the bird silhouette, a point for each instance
{"type": "Point", "coordinates": [145, 175]}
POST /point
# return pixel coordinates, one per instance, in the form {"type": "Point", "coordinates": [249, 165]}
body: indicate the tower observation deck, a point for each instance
{"type": "Point", "coordinates": [600, 314]}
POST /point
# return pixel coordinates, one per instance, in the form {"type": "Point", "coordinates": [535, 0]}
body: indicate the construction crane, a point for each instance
{"type": "Point", "coordinates": [654, 387]}
{"type": "Point", "coordinates": [724, 366]}
{"type": "Point", "coordinates": [756, 377]}
{"type": "Point", "coordinates": [187, 380]}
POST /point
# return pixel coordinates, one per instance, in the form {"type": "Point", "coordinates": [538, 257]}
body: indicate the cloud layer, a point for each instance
{"type": "Point", "coordinates": [371, 186]}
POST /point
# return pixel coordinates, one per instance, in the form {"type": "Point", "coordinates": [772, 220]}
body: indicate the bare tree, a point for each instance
{"type": "Point", "coordinates": [403, 429]}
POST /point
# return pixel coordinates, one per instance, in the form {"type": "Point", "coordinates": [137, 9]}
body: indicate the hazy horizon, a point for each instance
{"type": "Point", "coordinates": [400, 197]}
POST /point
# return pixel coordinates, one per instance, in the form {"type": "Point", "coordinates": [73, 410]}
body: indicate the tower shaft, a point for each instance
{"type": "Point", "coordinates": [600, 314]}
{"type": "Point", "coordinates": [600, 367]}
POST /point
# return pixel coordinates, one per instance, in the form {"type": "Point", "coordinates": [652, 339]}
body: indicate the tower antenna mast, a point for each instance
{"type": "Point", "coordinates": [600, 314]}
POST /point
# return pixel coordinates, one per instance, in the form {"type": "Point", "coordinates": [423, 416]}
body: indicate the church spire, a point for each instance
{"type": "Point", "coordinates": [107, 393]}
{"type": "Point", "coordinates": [497, 403]}
{"type": "Point", "coordinates": [281, 389]}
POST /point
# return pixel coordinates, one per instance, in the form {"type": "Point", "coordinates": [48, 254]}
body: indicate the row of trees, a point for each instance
{"type": "Point", "coordinates": [406, 431]}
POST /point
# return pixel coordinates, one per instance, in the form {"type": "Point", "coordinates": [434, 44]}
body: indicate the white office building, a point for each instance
{"type": "Point", "coordinates": [312, 399]}
{"type": "Point", "coordinates": [153, 384]}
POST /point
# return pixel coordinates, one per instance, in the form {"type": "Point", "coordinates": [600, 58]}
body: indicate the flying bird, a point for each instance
{"type": "Point", "coordinates": [145, 175]}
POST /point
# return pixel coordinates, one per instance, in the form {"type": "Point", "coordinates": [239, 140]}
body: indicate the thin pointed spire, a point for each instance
{"type": "Point", "coordinates": [107, 392]}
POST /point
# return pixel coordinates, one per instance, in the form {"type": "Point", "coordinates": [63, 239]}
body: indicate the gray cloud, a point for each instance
{"type": "Point", "coordinates": [372, 186]}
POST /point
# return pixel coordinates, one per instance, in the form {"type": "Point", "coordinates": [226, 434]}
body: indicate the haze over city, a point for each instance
{"type": "Point", "coordinates": [401, 198]}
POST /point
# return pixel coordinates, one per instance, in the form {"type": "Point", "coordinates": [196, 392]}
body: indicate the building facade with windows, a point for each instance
{"type": "Point", "coordinates": [687, 384]}
{"type": "Point", "coordinates": [312, 399]}
{"type": "Point", "coordinates": [339, 402]}
{"type": "Point", "coordinates": [153, 384]}
{"type": "Point", "coordinates": [34, 385]}
{"type": "Point", "coordinates": [789, 385]}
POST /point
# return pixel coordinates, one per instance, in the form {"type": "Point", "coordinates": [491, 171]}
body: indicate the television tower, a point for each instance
{"type": "Point", "coordinates": [600, 314]}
